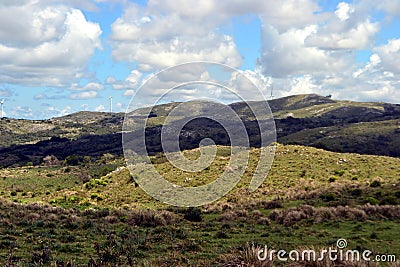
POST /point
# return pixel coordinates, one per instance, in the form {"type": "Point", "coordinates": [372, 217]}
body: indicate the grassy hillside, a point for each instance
{"type": "Point", "coordinates": [312, 120]}
{"type": "Point", "coordinates": [93, 211]}
{"type": "Point", "coordinates": [380, 137]}
{"type": "Point", "coordinates": [19, 132]}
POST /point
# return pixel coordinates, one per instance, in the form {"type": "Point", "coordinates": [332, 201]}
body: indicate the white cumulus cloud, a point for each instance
{"type": "Point", "coordinates": [83, 95]}
{"type": "Point", "coordinates": [44, 43]}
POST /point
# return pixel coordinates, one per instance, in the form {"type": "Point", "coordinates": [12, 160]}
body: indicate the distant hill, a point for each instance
{"type": "Point", "coordinates": [312, 120]}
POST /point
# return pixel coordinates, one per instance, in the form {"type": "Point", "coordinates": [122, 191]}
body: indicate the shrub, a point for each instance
{"type": "Point", "coordinates": [193, 215]}
{"type": "Point", "coordinates": [96, 182]}
{"type": "Point", "coordinates": [389, 200]}
{"type": "Point", "coordinates": [274, 215]}
{"type": "Point", "coordinates": [150, 218]}
{"type": "Point", "coordinates": [356, 192]}
{"type": "Point", "coordinates": [263, 221]}
{"type": "Point", "coordinates": [87, 160]}
{"type": "Point", "coordinates": [350, 213]}
{"type": "Point", "coordinates": [274, 204]}
{"type": "Point", "coordinates": [13, 193]}
{"type": "Point", "coordinates": [329, 196]}
{"type": "Point", "coordinates": [51, 160]}
{"type": "Point", "coordinates": [332, 179]}
{"type": "Point", "coordinates": [72, 160]}
{"type": "Point", "coordinates": [323, 215]}
{"type": "Point", "coordinates": [293, 216]}
{"type": "Point", "coordinates": [227, 206]}
{"type": "Point", "coordinates": [373, 235]}
{"type": "Point", "coordinates": [41, 258]}
{"type": "Point", "coordinates": [111, 219]}
{"type": "Point", "coordinates": [221, 234]}
{"type": "Point", "coordinates": [228, 216]}
{"type": "Point", "coordinates": [241, 213]}
{"type": "Point", "coordinates": [96, 196]}
{"type": "Point", "coordinates": [257, 214]}
{"type": "Point", "coordinates": [340, 172]}
{"type": "Point", "coordinates": [375, 183]}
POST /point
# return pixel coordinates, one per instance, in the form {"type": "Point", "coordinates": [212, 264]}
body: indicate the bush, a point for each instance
{"type": "Point", "coordinates": [332, 179]}
{"type": "Point", "coordinates": [13, 193]}
{"type": "Point", "coordinates": [356, 192]}
{"type": "Point", "coordinates": [96, 196]}
{"type": "Point", "coordinates": [263, 221]}
{"type": "Point", "coordinates": [329, 196]}
{"type": "Point", "coordinates": [193, 215]}
{"type": "Point", "coordinates": [150, 218]}
{"type": "Point", "coordinates": [51, 160]}
{"type": "Point", "coordinates": [323, 215]}
{"type": "Point", "coordinates": [95, 182]}
{"type": "Point", "coordinates": [40, 258]}
{"type": "Point", "coordinates": [375, 183]}
{"type": "Point", "coordinates": [340, 172]}
{"type": "Point", "coordinates": [221, 234]}
{"type": "Point", "coordinates": [228, 216]}
{"type": "Point", "coordinates": [389, 200]}
{"type": "Point", "coordinates": [274, 204]}
{"type": "Point", "coordinates": [72, 160]}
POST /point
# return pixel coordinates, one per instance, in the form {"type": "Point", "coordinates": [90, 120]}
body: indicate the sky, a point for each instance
{"type": "Point", "coordinates": [62, 56]}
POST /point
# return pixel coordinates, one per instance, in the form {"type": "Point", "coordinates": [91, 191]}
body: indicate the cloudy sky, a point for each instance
{"type": "Point", "coordinates": [59, 57]}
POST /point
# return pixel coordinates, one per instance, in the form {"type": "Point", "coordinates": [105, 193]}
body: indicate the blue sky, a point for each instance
{"type": "Point", "coordinates": [60, 57]}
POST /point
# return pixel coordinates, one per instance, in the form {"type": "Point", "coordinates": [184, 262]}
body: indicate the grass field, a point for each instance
{"type": "Point", "coordinates": [94, 213]}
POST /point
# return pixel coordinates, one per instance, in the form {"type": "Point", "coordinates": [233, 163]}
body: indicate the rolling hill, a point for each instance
{"type": "Point", "coordinates": [83, 207]}
{"type": "Point", "coordinates": [312, 120]}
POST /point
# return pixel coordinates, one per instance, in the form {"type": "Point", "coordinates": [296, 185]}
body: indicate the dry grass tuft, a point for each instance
{"type": "Point", "coordinates": [151, 218]}
{"type": "Point", "coordinates": [291, 216]}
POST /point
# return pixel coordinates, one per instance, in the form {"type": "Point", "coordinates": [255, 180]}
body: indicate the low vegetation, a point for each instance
{"type": "Point", "coordinates": [91, 212]}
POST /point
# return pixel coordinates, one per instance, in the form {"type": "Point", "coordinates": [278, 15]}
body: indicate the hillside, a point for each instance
{"type": "Point", "coordinates": [68, 199]}
{"type": "Point", "coordinates": [342, 126]}
{"type": "Point", "coordinates": [94, 212]}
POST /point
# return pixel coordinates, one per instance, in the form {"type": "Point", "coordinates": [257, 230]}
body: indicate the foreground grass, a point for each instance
{"type": "Point", "coordinates": [42, 234]}
{"type": "Point", "coordinates": [74, 215]}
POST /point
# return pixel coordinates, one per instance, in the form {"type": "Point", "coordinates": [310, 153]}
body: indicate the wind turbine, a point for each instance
{"type": "Point", "coordinates": [2, 110]}
{"type": "Point", "coordinates": [272, 90]}
{"type": "Point", "coordinates": [110, 104]}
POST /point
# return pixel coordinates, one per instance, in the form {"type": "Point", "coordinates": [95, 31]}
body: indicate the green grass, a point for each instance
{"type": "Point", "coordinates": [31, 184]}
{"type": "Point", "coordinates": [73, 237]}
{"type": "Point", "coordinates": [319, 110]}
{"type": "Point", "coordinates": [112, 211]}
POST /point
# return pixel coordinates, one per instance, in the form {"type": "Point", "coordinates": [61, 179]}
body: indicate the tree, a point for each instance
{"type": "Point", "coordinates": [72, 160]}
{"type": "Point", "coordinates": [51, 160]}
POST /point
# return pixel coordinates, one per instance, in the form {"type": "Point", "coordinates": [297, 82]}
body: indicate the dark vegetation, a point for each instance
{"type": "Point", "coordinates": [90, 212]}
{"type": "Point", "coordinates": [342, 127]}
